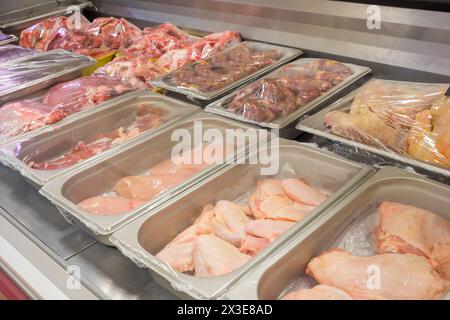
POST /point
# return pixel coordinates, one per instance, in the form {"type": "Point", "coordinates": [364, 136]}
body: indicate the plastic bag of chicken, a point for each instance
{"type": "Point", "coordinates": [57, 103]}
{"type": "Point", "coordinates": [114, 33]}
{"type": "Point", "coordinates": [410, 119]}
{"type": "Point", "coordinates": [287, 89]}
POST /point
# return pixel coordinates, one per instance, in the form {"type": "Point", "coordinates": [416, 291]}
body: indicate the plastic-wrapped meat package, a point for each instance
{"type": "Point", "coordinates": [58, 30]}
{"type": "Point", "coordinates": [38, 67]}
{"type": "Point", "coordinates": [11, 52]}
{"type": "Point", "coordinates": [147, 117]}
{"type": "Point", "coordinates": [58, 102]}
{"type": "Point", "coordinates": [227, 234]}
{"type": "Point", "coordinates": [224, 68]}
{"type": "Point", "coordinates": [411, 119]}
{"type": "Point", "coordinates": [287, 89]}
{"type": "Point", "coordinates": [135, 70]}
{"type": "Point", "coordinates": [200, 49]}
{"type": "Point", "coordinates": [154, 42]}
{"type": "Point", "coordinates": [114, 33]}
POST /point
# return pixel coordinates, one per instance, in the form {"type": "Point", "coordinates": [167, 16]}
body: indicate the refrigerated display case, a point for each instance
{"type": "Point", "coordinates": [47, 257]}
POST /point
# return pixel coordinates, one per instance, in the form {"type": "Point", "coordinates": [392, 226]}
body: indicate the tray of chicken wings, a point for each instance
{"type": "Point", "coordinates": [209, 78]}
{"type": "Point", "coordinates": [406, 121]}
{"type": "Point", "coordinates": [283, 96]}
{"type": "Point", "coordinates": [64, 100]}
{"type": "Point", "coordinates": [63, 147]}
{"type": "Point", "coordinates": [388, 239]}
{"type": "Point", "coordinates": [105, 194]}
{"type": "Point", "coordinates": [33, 73]}
{"type": "Point", "coordinates": [206, 238]}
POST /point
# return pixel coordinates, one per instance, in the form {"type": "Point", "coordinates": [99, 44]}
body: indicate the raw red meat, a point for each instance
{"type": "Point", "coordinates": [27, 115]}
{"type": "Point", "coordinates": [139, 71]}
{"type": "Point", "coordinates": [146, 118]}
{"type": "Point", "coordinates": [157, 41]}
{"type": "Point", "coordinates": [201, 49]}
{"type": "Point", "coordinates": [81, 93]}
{"type": "Point", "coordinates": [114, 33]}
{"type": "Point", "coordinates": [59, 102]}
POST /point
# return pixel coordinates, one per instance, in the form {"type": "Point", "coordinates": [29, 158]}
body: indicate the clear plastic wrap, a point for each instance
{"type": "Point", "coordinates": [42, 156]}
{"type": "Point", "coordinates": [75, 33]}
{"type": "Point", "coordinates": [137, 70]}
{"type": "Point", "coordinates": [57, 103]}
{"type": "Point", "coordinates": [223, 68]}
{"type": "Point", "coordinates": [281, 97]}
{"type": "Point", "coordinates": [404, 120]}
{"type": "Point", "coordinates": [208, 78]}
{"type": "Point", "coordinates": [6, 38]}
{"type": "Point", "coordinates": [12, 52]}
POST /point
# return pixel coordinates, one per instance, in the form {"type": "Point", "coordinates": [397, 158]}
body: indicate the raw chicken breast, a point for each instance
{"type": "Point", "coordinates": [179, 253]}
{"type": "Point", "coordinates": [147, 187]}
{"type": "Point", "coordinates": [214, 257]}
{"type": "Point", "coordinates": [299, 191]}
{"type": "Point", "coordinates": [103, 205]}
{"type": "Point", "coordinates": [319, 292]}
{"type": "Point", "coordinates": [229, 222]}
{"type": "Point", "coordinates": [408, 229]}
{"type": "Point", "coordinates": [401, 276]}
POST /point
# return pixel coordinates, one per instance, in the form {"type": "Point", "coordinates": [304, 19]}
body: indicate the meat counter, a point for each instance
{"type": "Point", "coordinates": [46, 256]}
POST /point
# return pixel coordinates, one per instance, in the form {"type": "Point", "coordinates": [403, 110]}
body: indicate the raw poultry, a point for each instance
{"type": "Point", "coordinates": [410, 119]}
{"type": "Point", "coordinates": [59, 102]}
{"type": "Point", "coordinates": [230, 232]}
{"type": "Point", "coordinates": [147, 117]}
{"type": "Point", "coordinates": [224, 68]}
{"type": "Point", "coordinates": [413, 259]}
{"type": "Point", "coordinates": [157, 179]}
{"type": "Point", "coordinates": [291, 87]}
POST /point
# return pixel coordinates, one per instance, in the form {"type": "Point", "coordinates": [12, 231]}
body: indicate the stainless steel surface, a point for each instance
{"type": "Point", "coordinates": [27, 207]}
{"type": "Point", "coordinates": [314, 124]}
{"type": "Point", "coordinates": [143, 238]}
{"type": "Point", "coordinates": [59, 139]}
{"type": "Point", "coordinates": [20, 14]}
{"type": "Point", "coordinates": [116, 276]}
{"type": "Point", "coordinates": [408, 38]}
{"type": "Point", "coordinates": [271, 278]}
{"type": "Point", "coordinates": [165, 81]}
{"type": "Point", "coordinates": [99, 177]}
{"type": "Point", "coordinates": [62, 57]}
{"type": "Point", "coordinates": [279, 123]}
{"type": "Point", "coordinates": [7, 38]}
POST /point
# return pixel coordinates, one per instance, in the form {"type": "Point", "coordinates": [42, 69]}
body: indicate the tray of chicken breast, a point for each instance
{"type": "Point", "coordinates": [206, 238]}
{"type": "Point", "coordinates": [107, 193]}
{"type": "Point", "coordinates": [405, 121]}
{"type": "Point", "coordinates": [60, 148]}
{"type": "Point", "coordinates": [214, 76]}
{"type": "Point", "coordinates": [280, 98]}
{"type": "Point", "coordinates": [388, 239]}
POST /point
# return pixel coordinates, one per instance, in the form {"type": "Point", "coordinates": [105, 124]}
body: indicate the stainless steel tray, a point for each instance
{"type": "Point", "coordinates": [33, 86]}
{"type": "Point", "coordinates": [99, 176]}
{"type": "Point", "coordinates": [143, 238]}
{"type": "Point", "coordinates": [288, 54]}
{"type": "Point", "coordinates": [314, 124]}
{"type": "Point", "coordinates": [23, 15]}
{"type": "Point", "coordinates": [7, 38]}
{"type": "Point", "coordinates": [271, 278]}
{"type": "Point", "coordinates": [58, 139]}
{"type": "Point", "coordinates": [281, 122]}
